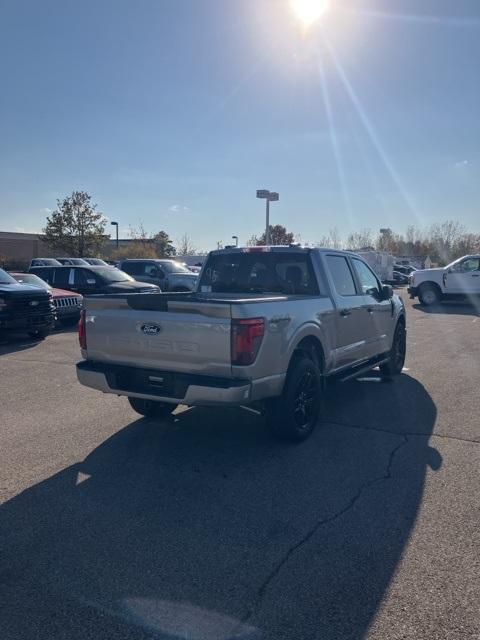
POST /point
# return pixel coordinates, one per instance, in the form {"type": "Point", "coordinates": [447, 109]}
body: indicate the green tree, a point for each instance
{"type": "Point", "coordinates": [278, 235]}
{"type": "Point", "coordinates": [163, 245]}
{"type": "Point", "coordinates": [75, 227]}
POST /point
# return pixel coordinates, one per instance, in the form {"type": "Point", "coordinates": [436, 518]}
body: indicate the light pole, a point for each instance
{"type": "Point", "coordinates": [115, 224]}
{"type": "Point", "coordinates": [236, 240]}
{"type": "Point", "coordinates": [269, 196]}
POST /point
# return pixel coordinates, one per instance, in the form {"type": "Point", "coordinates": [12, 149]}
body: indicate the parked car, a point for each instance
{"type": "Point", "coordinates": [169, 275]}
{"type": "Point", "coordinates": [92, 280]}
{"type": "Point", "coordinates": [25, 308]}
{"type": "Point", "coordinates": [405, 269]}
{"type": "Point", "coordinates": [456, 281]}
{"type": "Point", "coordinates": [195, 269]}
{"type": "Point", "coordinates": [44, 262]}
{"type": "Point", "coordinates": [400, 278]}
{"type": "Point", "coordinates": [267, 324]}
{"type": "Point", "coordinates": [67, 303]}
{"type": "Point", "coordinates": [96, 262]}
{"type": "Point", "coordinates": [73, 261]}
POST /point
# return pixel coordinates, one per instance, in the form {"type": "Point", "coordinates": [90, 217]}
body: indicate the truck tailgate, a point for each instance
{"type": "Point", "coordinates": [159, 331]}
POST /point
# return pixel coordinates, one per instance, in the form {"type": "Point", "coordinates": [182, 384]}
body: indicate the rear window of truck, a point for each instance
{"type": "Point", "coordinates": [269, 272]}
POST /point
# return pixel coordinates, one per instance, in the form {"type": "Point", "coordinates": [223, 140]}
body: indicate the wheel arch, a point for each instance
{"type": "Point", "coordinates": [311, 347]}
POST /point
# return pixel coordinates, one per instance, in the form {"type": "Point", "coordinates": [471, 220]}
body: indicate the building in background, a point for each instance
{"type": "Point", "coordinates": [17, 249]}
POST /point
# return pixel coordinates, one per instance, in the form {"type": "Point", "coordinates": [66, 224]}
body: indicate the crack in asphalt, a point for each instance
{"type": "Point", "coordinates": [254, 610]}
{"type": "Point", "coordinates": [397, 433]}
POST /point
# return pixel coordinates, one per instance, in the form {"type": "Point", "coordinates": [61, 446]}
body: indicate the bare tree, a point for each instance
{"type": "Point", "coordinates": [360, 239]}
{"type": "Point", "coordinates": [185, 246]}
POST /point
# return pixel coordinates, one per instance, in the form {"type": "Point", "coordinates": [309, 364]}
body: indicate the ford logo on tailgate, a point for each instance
{"type": "Point", "coordinates": [150, 329]}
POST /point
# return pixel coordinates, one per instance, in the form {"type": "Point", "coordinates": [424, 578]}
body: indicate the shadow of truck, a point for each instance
{"type": "Point", "coordinates": [204, 527]}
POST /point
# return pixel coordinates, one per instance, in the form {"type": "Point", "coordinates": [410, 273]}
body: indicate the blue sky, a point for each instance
{"type": "Point", "coordinates": [174, 112]}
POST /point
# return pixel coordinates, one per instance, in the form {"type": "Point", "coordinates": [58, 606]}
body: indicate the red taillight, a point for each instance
{"type": "Point", "coordinates": [247, 337]}
{"type": "Point", "coordinates": [82, 330]}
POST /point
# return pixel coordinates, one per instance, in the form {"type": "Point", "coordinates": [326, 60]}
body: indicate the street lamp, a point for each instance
{"type": "Point", "coordinates": [269, 196]}
{"type": "Point", "coordinates": [115, 224]}
{"type": "Point", "coordinates": [236, 240]}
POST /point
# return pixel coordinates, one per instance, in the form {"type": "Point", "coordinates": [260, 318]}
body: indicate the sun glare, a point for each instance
{"type": "Point", "coordinates": [308, 11]}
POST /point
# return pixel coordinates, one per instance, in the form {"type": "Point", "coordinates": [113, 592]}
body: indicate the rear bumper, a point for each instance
{"type": "Point", "coordinates": [170, 387]}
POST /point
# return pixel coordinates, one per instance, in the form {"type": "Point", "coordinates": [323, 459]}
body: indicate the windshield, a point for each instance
{"type": "Point", "coordinates": [6, 278]}
{"type": "Point", "coordinates": [172, 266]}
{"type": "Point", "coordinates": [112, 274]}
{"type": "Point", "coordinates": [30, 278]}
{"type": "Point", "coordinates": [457, 261]}
{"type": "Point", "coordinates": [46, 262]}
{"type": "Point", "coordinates": [275, 272]}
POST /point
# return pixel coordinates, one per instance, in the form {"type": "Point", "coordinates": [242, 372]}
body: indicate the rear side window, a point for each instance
{"type": "Point", "coordinates": [60, 278]}
{"type": "Point", "coordinates": [133, 268]}
{"type": "Point", "coordinates": [341, 275]}
{"type": "Point", "coordinates": [267, 272]}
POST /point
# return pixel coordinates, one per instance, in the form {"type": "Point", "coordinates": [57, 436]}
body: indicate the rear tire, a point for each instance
{"type": "Point", "coordinates": [429, 295]}
{"type": "Point", "coordinates": [151, 408]}
{"type": "Point", "coordinates": [398, 352]}
{"type": "Point", "coordinates": [294, 415]}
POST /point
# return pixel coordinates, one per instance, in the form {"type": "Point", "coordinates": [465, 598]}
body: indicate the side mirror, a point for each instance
{"type": "Point", "coordinates": [387, 292]}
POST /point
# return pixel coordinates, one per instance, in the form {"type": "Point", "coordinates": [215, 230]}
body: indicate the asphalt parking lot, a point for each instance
{"type": "Point", "coordinates": [205, 528]}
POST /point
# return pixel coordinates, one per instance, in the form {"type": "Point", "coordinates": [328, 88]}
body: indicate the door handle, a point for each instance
{"type": "Point", "coordinates": [345, 312]}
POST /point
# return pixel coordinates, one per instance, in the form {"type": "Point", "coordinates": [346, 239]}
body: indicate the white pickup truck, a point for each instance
{"type": "Point", "coordinates": [266, 325]}
{"type": "Point", "coordinates": [458, 280]}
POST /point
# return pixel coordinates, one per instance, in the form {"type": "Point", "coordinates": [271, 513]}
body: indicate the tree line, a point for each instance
{"type": "Point", "coordinates": [76, 228]}
{"type": "Point", "coordinates": [441, 241]}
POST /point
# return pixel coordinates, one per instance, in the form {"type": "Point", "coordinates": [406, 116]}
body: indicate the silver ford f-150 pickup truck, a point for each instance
{"type": "Point", "coordinates": [266, 324]}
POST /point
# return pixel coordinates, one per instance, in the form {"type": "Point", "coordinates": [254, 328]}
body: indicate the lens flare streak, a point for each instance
{"type": "Point", "coordinates": [370, 129]}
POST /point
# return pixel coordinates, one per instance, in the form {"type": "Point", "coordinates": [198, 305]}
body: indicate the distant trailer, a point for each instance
{"type": "Point", "coordinates": [381, 262]}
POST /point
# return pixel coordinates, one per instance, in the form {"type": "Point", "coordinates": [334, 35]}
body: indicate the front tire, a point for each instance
{"type": "Point", "coordinates": [429, 295]}
{"type": "Point", "coordinates": [398, 352]}
{"type": "Point", "coordinates": [39, 334]}
{"type": "Point", "coordinates": [294, 415]}
{"type": "Point", "coordinates": [151, 408]}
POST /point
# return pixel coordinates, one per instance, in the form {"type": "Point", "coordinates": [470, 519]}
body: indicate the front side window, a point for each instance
{"type": "Point", "coordinates": [471, 264]}
{"type": "Point", "coordinates": [83, 277]}
{"type": "Point", "coordinates": [150, 269]}
{"type": "Point", "coordinates": [368, 280]}
{"type": "Point", "coordinates": [341, 275]}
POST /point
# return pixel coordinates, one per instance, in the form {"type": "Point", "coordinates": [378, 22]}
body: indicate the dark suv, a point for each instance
{"type": "Point", "coordinates": [25, 308]}
{"type": "Point", "coordinates": [90, 280]}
